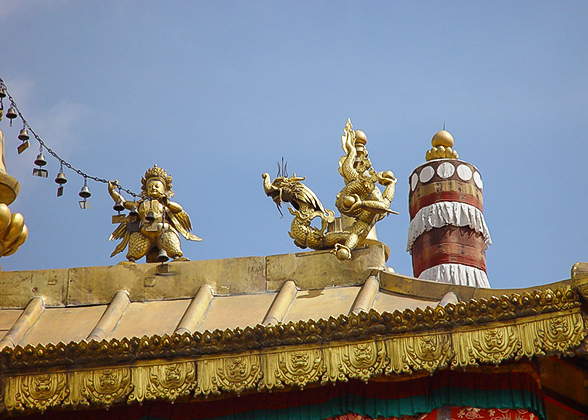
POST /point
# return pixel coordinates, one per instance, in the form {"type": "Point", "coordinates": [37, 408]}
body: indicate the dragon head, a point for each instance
{"type": "Point", "coordinates": [282, 189]}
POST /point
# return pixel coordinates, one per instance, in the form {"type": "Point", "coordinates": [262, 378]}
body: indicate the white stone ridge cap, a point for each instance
{"type": "Point", "coordinates": [447, 213]}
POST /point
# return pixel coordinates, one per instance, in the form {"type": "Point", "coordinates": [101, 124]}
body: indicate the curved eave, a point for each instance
{"type": "Point", "coordinates": [476, 314]}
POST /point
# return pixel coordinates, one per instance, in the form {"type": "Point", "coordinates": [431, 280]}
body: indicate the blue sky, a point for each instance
{"type": "Point", "coordinates": [217, 92]}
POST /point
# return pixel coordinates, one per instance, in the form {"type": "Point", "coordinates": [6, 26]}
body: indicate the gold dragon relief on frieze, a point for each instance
{"type": "Point", "coordinates": [167, 382]}
{"type": "Point", "coordinates": [300, 367]}
{"type": "Point", "coordinates": [107, 386]}
{"type": "Point", "coordinates": [490, 345]}
{"type": "Point", "coordinates": [355, 361]}
{"type": "Point", "coordinates": [37, 392]}
{"type": "Point", "coordinates": [558, 334]}
{"type": "Point", "coordinates": [424, 352]}
{"type": "Point", "coordinates": [233, 374]}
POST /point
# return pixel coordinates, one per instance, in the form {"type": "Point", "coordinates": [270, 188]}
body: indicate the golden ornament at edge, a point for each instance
{"type": "Point", "coordinates": [356, 361]}
{"type": "Point", "coordinates": [13, 231]}
{"type": "Point", "coordinates": [424, 352]}
{"type": "Point", "coordinates": [234, 374]}
{"type": "Point", "coordinates": [106, 386]}
{"type": "Point", "coordinates": [493, 345]}
{"type": "Point", "coordinates": [560, 333]}
{"type": "Point", "coordinates": [170, 381]}
{"type": "Point", "coordinates": [41, 391]}
{"type": "Point", "coordinates": [300, 367]}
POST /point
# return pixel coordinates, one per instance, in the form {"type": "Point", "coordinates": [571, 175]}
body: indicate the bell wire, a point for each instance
{"type": "Point", "coordinates": [43, 145]}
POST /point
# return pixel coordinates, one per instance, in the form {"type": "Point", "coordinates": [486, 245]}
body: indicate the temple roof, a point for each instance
{"type": "Point", "coordinates": [130, 301]}
{"type": "Point", "coordinates": [342, 320]}
{"type": "Point", "coordinates": [137, 300]}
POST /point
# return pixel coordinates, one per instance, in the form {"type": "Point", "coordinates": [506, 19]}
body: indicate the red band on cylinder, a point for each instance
{"type": "Point", "coordinates": [448, 245]}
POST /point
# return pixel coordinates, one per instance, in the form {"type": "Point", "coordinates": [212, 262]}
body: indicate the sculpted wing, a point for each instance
{"type": "Point", "coordinates": [303, 193]}
{"type": "Point", "coordinates": [121, 246]}
{"type": "Point", "coordinates": [120, 232]}
{"type": "Point", "coordinates": [181, 222]}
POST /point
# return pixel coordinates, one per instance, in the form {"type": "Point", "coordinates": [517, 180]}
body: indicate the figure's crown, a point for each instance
{"type": "Point", "coordinates": [159, 173]}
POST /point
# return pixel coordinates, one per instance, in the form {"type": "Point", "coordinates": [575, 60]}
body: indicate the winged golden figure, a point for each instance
{"type": "Point", "coordinates": [154, 222]}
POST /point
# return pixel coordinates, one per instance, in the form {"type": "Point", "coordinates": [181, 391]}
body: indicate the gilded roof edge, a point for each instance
{"type": "Point", "coordinates": [298, 366]}
{"type": "Point", "coordinates": [353, 327]}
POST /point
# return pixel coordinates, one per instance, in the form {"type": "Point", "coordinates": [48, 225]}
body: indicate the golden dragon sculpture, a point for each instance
{"type": "Point", "coordinates": [360, 199]}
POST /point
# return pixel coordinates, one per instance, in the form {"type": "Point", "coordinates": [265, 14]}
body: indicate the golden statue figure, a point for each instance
{"type": "Point", "coordinates": [360, 199]}
{"type": "Point", "coordinates": [153, 223]}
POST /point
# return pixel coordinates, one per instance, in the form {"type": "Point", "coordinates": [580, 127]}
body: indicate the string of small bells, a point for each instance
{"type": "Point", "coordinates": [40, 161]}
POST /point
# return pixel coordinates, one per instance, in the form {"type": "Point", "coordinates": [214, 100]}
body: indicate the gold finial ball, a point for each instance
{"type": "Point", "coordinates": [360, 137]}
{"type": "Point", "coordinates": [442, 138]}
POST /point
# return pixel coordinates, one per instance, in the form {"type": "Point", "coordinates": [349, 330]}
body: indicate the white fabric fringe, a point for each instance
{"type": "Point", "coordinates": [460, 274]}
{"type": "Point", "coordinates": [447, 213]}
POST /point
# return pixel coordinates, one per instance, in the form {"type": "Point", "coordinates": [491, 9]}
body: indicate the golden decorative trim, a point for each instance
{"type": "Point", "coordinates": [355, 361]}
{"type": "Point", "coordinates": [106, 386]}
{"type": "Point", "coordinates": [163, 382]}
{"type": "Point", "coordinates": [422, 352]}
{"type": "Point", "coordinates": [491, 345]}
{"type": "Point", "coordinates": [361, 326]}
{"type": "Point", "coordinates": [300, 365]}
{"type": "Point", "coordinates": [233, 374]}
{"type": "Point", "coordinates": [37, 392]}
{"type": "Point", "coordinates": [450, 185]}
{"type": "Point", "coordinates": [441, 152]}
{"type": "Point", "coordinates": [561, 333]}
{"type": "Point", "coordinates": [292, 368]}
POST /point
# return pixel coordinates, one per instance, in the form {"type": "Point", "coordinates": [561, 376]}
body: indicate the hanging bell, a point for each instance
{"type": "Point", "coordinates": [2, 92]}
{"type": "Point", "coordinates": [23, 135]}
{"type": "Point", "coordinates": [118, 206]}
{"type": "Point", "coordinates": [133, 212]}
{"type": "Point", "coordinates": [40, 161]}
{"type": "Point", "coordinates": [61, 179]}
{"type": "Point", "coordinates": [85, 192]}
{"type": "Point", "coordinates": [150, 217]}
{"type": "Point", "coordinates": [11, 113]}
{"type": "Point", "coordinates": [162, 257]}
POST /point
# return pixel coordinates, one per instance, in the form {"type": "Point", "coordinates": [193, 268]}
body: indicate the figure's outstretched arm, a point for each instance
{"type": "Point", "coordinates": [172, 206]}
{"type": "Point", "coordinates": [113, 192]}
{"type": "Point", "coordinates": [375, 206]}
{"type": "Point", "coordinates": [389, 181]}
{"type": "Point", "coordinates": [116, 196]}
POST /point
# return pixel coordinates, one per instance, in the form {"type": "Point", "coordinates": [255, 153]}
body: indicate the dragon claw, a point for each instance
{"type": "Point", "coordinates": [342, 252]}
